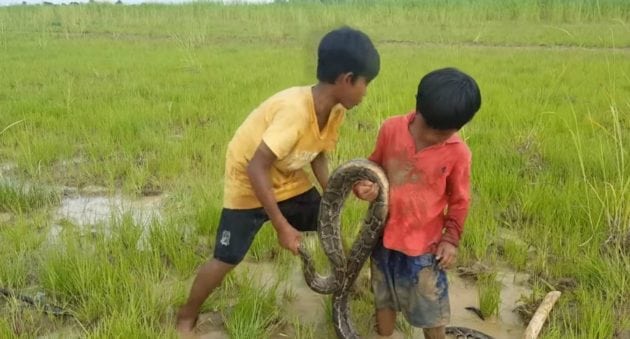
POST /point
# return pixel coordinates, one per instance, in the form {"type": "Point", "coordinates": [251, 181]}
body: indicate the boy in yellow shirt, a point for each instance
{"type": "Point", "coordinates": [264, 170]}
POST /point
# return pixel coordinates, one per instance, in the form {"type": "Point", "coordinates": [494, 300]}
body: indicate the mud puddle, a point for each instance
{"type": "Point", "coordinates": [94, 211]}
{"type": "Point", "coordinates": [309, 306]}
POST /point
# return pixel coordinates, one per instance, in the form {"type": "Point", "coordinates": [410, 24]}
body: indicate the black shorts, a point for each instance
{"type": "Point", "coordinates": [238, 227]}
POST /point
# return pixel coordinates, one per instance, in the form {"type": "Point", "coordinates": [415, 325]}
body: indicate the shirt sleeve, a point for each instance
{"type": "Point", "coordinates": [458, 189]}
{"type": "Point", "coordinates": [284, 132]}
{"type": "Point", "coordinates": [377, 154]}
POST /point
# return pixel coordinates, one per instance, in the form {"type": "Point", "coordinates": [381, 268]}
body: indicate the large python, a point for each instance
{"type": "Point", "coordinates": [346, 269]}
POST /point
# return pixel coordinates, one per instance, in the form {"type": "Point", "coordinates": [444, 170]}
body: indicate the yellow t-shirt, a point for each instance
{"type": "Point", "coordinates": [287, 123]}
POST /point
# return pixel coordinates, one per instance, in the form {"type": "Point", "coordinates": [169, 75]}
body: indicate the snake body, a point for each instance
{"type": "Point", "coordinates": [346, 269]}
{"type": "Point", "coordinates": [466, 333]}
{"type": "Point", "coordinates": [46, 308]}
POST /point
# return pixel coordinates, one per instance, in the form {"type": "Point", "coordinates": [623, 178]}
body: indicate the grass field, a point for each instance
{"type": "Point", "coordinates": [142, 100]}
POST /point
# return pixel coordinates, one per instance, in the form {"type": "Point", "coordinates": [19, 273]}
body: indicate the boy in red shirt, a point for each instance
{"type": "Point", "coordinates": [428, 166]}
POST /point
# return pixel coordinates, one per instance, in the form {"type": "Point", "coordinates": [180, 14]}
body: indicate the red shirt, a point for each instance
{"type": "Point", "coordinates": [422, 186]}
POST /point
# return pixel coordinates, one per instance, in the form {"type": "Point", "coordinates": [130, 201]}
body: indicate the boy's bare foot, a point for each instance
{"type": "Point", "coordinates": [185, 325]}
{"type": "Point", "coordinates": [395, 335]}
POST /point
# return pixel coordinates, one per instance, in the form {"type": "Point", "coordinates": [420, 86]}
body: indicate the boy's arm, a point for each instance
{"type": "Point", "coordinates": [319, 165]}
{"type": "Point", "coordinates": [278, 140]}
{"type": "Point", "coordinates": [458, 188]}
{"type": "Point", "coordinates": [377, 154]}
{"type": "Point", "coordinates": [458, 202]}
{"type": "Point", "coordinates": [365, 189]}
{"type": "Point", "coordinates": [258, 172]}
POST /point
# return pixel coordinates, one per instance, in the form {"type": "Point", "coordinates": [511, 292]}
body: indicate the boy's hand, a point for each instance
{"type": "Point", "coordinates": [289, 238]}
{"type": "Point", "coordinates": [365, 190]}
{"type": "Point", "coordinates": [446, 255]}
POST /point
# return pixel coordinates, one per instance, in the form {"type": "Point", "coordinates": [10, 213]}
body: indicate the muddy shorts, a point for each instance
{"type": "Point", "coordinates": [238, 227]}
{"type": "Point", "coordinates": [415, 286]}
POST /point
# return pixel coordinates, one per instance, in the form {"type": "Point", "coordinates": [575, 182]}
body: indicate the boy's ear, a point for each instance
{"type": "Point", "coordinates": [345, 78]}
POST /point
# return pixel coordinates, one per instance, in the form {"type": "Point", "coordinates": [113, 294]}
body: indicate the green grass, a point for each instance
{"type": "Point", "coordinates": [303, 331]}
{"type": "Point", "coordinates": [141, 97]}
{"type": "Point", "coordinates": [255, 312]}
{"type": "Point", "coordinates": [489, 294]}
{"type": "Point", "coordinates": [20, 198]}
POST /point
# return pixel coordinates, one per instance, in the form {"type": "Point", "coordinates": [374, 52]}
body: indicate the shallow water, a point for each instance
{"type": "Point", "coordinates": [7, 167]}
{"type": "Point", "coordinates": [507, 324]}
{"type": "Point", "coordinates": [310, 306]}
{"type": "Point", "coordinates": [89, 210]}
{"type": "Point", "coordinates": [96, 213]}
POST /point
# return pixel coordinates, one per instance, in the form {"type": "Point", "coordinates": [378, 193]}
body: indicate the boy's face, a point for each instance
{"type": "Point", "coordinates": [351, 91]}
{"type": "Point", "coordinates": [431, 135]}
{"type": "Point", "coordinates": [438, 136]}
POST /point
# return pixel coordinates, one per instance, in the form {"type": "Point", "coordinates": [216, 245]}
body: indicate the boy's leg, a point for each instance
{"type": "Point", "coordinates": [426, 296]}
{"type": "Point", "coordinates": [208, 278]}
{"type": "Point", "coordinates": [435, 332]}
{"type": "Point", "coordinates": [237, 229]}
{"type": "Point", "coordinates": [385, 321]}
{"type": "Point", "coordinates": [385, 301]}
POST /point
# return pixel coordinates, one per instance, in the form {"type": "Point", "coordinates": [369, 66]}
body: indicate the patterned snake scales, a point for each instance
{"type": "Point", "coordinates": [346, 269]}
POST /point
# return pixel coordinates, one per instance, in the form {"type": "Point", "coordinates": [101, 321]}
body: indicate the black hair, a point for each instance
{"type": "Point", "coordinates": [346, 50]}
{"type": "Point", "coordinates": [447, 98]}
